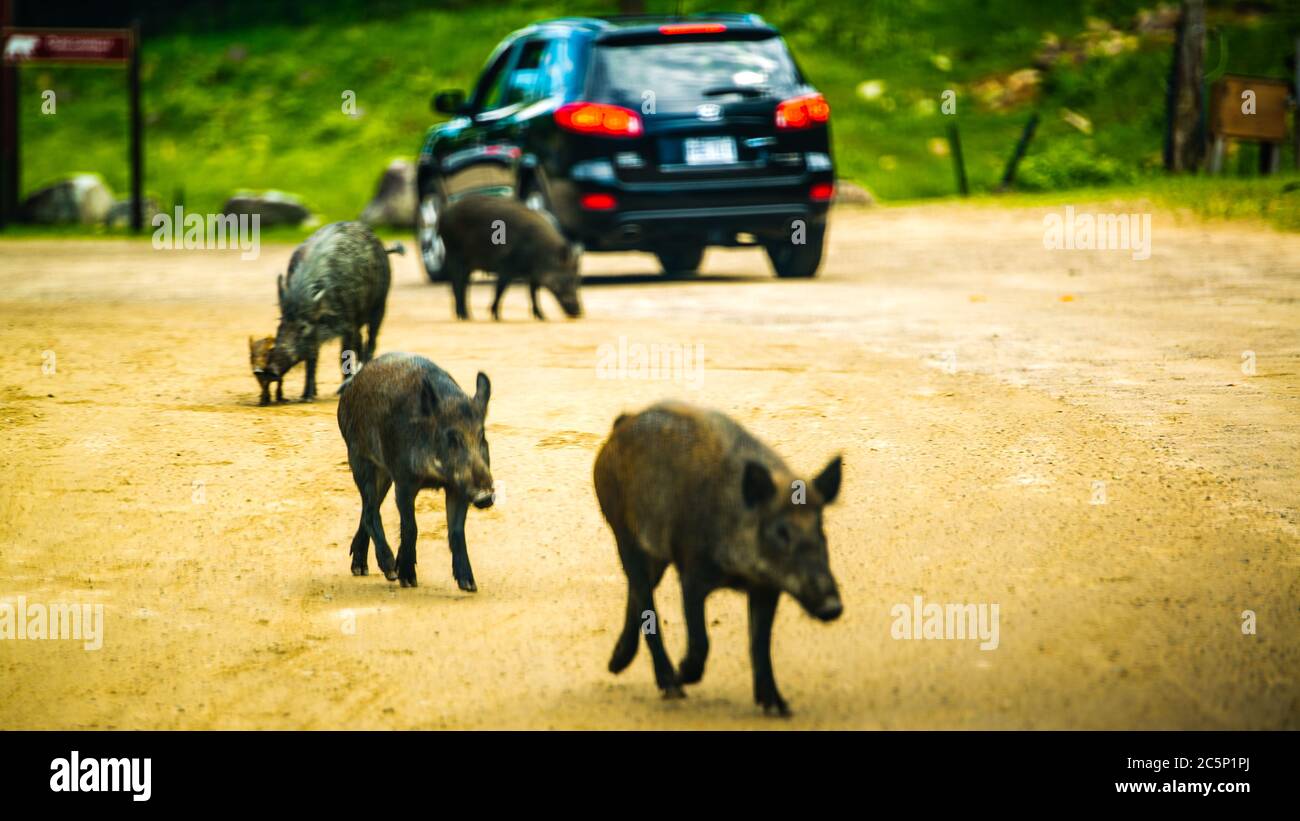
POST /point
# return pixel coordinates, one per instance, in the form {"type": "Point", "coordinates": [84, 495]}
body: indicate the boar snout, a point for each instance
{"type": "Point", "coordinates": [819, 596]}
{"type": "Point", "coordinates": [830, 609]}
{"type": "Point", "coordinates": [485, 499]}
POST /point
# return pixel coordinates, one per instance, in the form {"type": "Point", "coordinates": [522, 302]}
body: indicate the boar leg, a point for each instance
{"type": "Point", "coordinates": [351, 342]}
{"type": "Point", "coordinates": [503, 282]}
{"type": "Point", "coordinates": [628, 641]}
{"type": "Point", "coordinates": [458, 274]}
{"type": "Point", "coordinates": [643, 576]}
{"type": "Point", "coordinates": [532, 294]}
{"type": "Point", "coordinates": [694, 591]}
{"type": "Point", "coordinates": [279, 390]}
{"type": "Point", "coordinates": [376, 317]}
{"type": "Point", "coordinates": [309, 386]}
{"type": "Point", "coordinates": [406, 548]}
{"type": "Point", "coordinates": [266, 394]}
{"type": "Point", "coordinates": [457, 507]}
{"type": "Point", "coordinates": [762, 613]}
{"type": "Point", "coordinates": [373, 482]}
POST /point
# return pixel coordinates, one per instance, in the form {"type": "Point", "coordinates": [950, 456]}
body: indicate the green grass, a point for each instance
{"type": "Point", "coordinates": [1271, 200]}
{"type": "Point", "coordinates": [261, 107]}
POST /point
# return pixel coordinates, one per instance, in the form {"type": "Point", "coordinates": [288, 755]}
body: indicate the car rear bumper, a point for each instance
{"type": "Point", "coordinates": [648, 215]}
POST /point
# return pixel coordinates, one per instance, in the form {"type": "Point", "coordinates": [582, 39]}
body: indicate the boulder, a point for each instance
{"type": "Point", "coordinates": [847, 193]}
{"type": "Point", "coordinates": [273, 207]}
{"type": "Point", "coordinates": [83, 199]}
{"type": "Point", "coordinates": [119, 216]}
{"type": "Point", "coordinates": [394, 203]}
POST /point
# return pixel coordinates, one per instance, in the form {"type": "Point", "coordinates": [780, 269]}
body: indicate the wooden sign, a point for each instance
{"type": "Point", "coordinates": [1249, 108]}
{"type": "Point", "coordinates": [67, 46]}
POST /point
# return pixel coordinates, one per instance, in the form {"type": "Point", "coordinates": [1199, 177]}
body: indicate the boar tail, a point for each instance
{"type": "Point", "coordinates": [398, 248]}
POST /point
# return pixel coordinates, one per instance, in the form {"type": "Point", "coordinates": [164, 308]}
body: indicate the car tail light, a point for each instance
{"type": "Point", "coordinates": [600, 119]}
{"type": "Point", "coordinates": [822, 192]}
{"type": "Point", "coordinates": [598, 202]}
{"type": "Point", "coordinates": [802, 112]}
{"type": "Point", "coordinates": [692, 28]}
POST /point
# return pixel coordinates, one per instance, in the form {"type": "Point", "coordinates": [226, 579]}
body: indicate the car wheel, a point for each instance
{"type": "Point", "coordinates": [681, 260]}
{"type": "Point", "coordinates": [432, 251]}
{"type": "Point", "coordinates": [798, 261]}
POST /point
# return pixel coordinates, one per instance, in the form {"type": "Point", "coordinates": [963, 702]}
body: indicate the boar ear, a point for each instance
{"type": "Point", "coordinates": [428, 399]}
{"type": "Point", "coordinates": [482, 393]}
{"type": "Point", "coordinates": [279, 286]}
{"type": "Point", "coordinates": [828, 481]}
{"type": "Point", "coordinates": [250, 343]}
{"type": "Point", "coordinates": [756, 487]}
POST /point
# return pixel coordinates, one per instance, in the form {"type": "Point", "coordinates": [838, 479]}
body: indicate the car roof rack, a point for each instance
{"type": "Point", "coordinates": [606, 21]}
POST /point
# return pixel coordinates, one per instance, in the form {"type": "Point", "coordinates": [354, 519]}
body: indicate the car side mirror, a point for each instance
{"type": "Point", "coordinates": [449, 102]}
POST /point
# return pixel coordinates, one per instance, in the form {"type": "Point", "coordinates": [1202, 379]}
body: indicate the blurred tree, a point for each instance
{"type": "Point", "coordinates": [1185, 140]}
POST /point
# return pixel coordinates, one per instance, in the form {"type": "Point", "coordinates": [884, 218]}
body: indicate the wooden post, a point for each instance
{"type": "Point", "coordinates": [1184, 141]}
{"type": "Point", "coordinates": [1216, 154]}
{"type": "Point", "coordinates": [1295, 112]}
{"type": "Point", "coordinates": [1009, 175]}
{"type": "Point", "coordinates": [10, 161]}
{"type": "Point", "coordinates": [958, 163]}
{"type": "Point", "coordinates": [137, 133]}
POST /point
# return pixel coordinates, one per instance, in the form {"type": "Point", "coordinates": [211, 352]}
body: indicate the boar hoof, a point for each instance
{"type": "Point", "coordinates": [673, 692]}
{"type": "Point", "coordinates": [690, 671]}
{"type": "Point", "coordinates": [774, 706]}
{"type": "Point", "coordinates": [408, 582]}
{"type": "Point", "coordinates": [391, 575]}
{"type": "Point", "coordinates": [360, 570]}
{"type": "Point", "coordinates": [467, 585]}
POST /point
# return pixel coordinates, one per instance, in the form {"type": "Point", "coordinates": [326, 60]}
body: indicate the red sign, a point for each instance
{"type": "Point", "coordinates": [103, 46]}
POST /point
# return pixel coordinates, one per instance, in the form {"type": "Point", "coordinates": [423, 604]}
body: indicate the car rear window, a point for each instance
{"type": "Point", "coordinates": [682, 74]}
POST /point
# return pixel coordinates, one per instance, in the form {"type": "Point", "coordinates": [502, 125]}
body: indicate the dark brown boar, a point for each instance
{"type": "Point", "coordinates": [504, 237]}
{"type": "Point", "coordinates": [690, 487]}
{"type": "Point", "coordinates": [407, 423]}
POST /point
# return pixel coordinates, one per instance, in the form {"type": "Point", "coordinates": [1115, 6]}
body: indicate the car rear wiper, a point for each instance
{"type": "Point", "coordinates": [744, 91]}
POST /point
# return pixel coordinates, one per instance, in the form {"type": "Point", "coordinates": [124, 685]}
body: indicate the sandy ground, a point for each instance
{"type": "Point", "coordinates": [978, 386]}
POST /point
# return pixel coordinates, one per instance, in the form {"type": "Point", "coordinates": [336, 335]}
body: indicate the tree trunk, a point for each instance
{"type": "Point", "coordinates": [1185, 142]}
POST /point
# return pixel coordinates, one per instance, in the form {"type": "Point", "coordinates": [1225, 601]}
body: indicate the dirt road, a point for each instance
{"type": "Point", "coordinates": [1073, 436]}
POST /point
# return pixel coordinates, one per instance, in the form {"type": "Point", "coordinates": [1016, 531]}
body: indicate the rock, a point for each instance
{"type": "Point", "coordinates": [847, 193]}
{"type": "Point", "coordinates": [83, 199]}
{"type": "Point", "coordinates": [273, 207]}
{"type": "Point", "coordinates": [119, 216]}
{"type": "Point", "coordinates": [394, 203]}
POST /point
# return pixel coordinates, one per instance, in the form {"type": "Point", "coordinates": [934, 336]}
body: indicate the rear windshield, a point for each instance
{"type": "Point", "coordinates": [682, 74]}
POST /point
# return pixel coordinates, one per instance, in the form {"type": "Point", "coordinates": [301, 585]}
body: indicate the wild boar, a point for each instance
{"type": "Point", "coordinates": [259, 356]}
{"type": "Point", "coordinates": [504, 237]}
{"type": "Point", "coordinates": [407, 423]}
{"type": "Point", "coordinates": [338, 281]}
{"type": "Point", "coordinates": [690, 487]}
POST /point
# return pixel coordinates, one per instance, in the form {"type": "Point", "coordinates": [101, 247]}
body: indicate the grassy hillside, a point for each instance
{"type": "Point", "coordinates": [261, 106]}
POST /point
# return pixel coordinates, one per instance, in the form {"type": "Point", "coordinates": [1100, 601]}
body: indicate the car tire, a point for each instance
{"type": "Point", "coordinates": [681, 260]}
{"type": "Point", "coordinates": [791, 261]}
{"type": "Point", "coordinates": [433, 254]}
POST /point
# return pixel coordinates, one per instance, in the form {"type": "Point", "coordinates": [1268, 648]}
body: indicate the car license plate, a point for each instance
{"type": "Point", "coordinates": [710, 151]}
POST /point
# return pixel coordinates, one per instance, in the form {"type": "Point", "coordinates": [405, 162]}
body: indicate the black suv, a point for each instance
{"type": "Point", "coordinates": [665, 135]}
